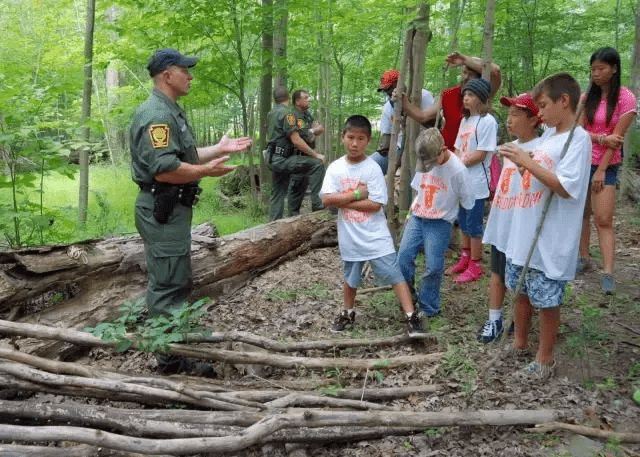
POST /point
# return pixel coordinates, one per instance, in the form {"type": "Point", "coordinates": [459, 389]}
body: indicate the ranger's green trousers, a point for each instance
{"type": "Point", "coordinates": [168, 249]}
{"type": "Point", "coordinates": [301, 171]}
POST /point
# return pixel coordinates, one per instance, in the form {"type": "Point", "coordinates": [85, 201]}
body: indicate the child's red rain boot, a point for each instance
{"type": "Point", "coordinates": [473, 272]}
{"type": "Point", "coordinates": [462, 264]}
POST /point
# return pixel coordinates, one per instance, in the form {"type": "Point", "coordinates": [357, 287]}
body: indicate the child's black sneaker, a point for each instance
{"type": "Point", "coordinates": [414, 324]}
{"type": "Point", "coordinates": [343, 321]}
{"type": "Point", "coordinates": [491, 331]}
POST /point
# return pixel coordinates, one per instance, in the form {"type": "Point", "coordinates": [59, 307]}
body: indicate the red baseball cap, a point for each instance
{"type": "Point", "coordinates": [389, 78]}
{"type": "Point", "coordinates": [524, 101]}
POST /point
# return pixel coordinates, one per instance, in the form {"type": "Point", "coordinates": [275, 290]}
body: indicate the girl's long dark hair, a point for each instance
{"type": "Point", "coordinates": [611, 57]}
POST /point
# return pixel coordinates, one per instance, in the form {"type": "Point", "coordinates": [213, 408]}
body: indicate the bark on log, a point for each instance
{"type": "Point", "coordinates": [86, 282]}
{"type": "Point", "coordinates": [86, 339]}
{"type": "Point", "coordinates": [263, 429]}
{"type": "Point", "coordinates": [386, 393]}
{"type": "Point", "coordinates": [83, 450]}
{"type": "Point", "coordinates": [145, 394]}
{"type": "Point", "coordinates": [221, 355]}
{"type": "Point", "coordinates": [630, 182]}
{"type": "Point", "coordinates": [587, 431]}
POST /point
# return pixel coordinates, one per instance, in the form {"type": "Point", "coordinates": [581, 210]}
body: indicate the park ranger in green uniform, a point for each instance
{"type": "Point", "coordinates": [290, 158]}
{"type": "Point", "coordinates": [168, 166]}
{"type": "Point", "coordinates": [308, 130]}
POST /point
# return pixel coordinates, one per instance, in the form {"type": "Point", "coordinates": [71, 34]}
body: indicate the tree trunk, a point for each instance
{"type": "Point", "coordinates": [281, 18]}
{"type": "Point", "coordinates": [86, 112]}
{"type": "Point", "coordinates": [85, 283]}
{"type": "Point", "coordinates": [115, 135]}
{"type": "Point", "coordinates": [265, 82]}
{"type": "Point", "coordinates": [420, 38]}
{"type": "Point", "coordinates": [392, 219]}
{"type": "Point", "coordinates": [487, 43]}
{"type": "Point", "coordinates": [324, 79]}
{"type": "Point", "coordinates": [626, 182]}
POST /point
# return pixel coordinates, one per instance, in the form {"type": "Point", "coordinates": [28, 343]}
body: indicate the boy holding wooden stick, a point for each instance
{"type": "Point", "coordinates": [557, 170]}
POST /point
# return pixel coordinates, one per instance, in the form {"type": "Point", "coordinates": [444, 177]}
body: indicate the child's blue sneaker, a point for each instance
{"type": "Point", "coordinates": [584, 265]}
{"type": "Point", "coordinates": [538, 371]}
{"type": "Point", "coordinates": [491, 331]}
{"type": "Point", "coordinates": [607, 284]}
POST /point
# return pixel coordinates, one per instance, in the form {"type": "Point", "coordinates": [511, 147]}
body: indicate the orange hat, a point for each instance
{"type": "Point", "coordinates": [389, 78]}
{"type": "Point", "coordinates": [524, 101]}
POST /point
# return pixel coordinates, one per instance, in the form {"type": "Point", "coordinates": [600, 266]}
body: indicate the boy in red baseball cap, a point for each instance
{"type": "Point", "coordinates": [522, 122]}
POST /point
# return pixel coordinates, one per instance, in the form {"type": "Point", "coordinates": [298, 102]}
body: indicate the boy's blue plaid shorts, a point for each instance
{"type": "Point", "coordinates": [542, 291]}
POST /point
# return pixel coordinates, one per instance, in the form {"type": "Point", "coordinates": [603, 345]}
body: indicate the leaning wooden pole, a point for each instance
{"type": "Point", "coordinates": [392, 221]}
{"type": "Point", "coordinates": [487, 43]}
{"type": "Point", "coordinates": [421, 37]}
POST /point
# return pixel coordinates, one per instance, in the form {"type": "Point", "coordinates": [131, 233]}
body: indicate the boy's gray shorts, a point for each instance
{"type": "Point", "coordinates": [386, 271]}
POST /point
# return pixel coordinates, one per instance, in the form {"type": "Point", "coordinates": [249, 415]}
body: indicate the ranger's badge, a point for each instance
{"type": "Point", "coordinates": [291, 119]}
{"type": "Point", "coordinates": [159, 135]}
{"type": "Point", "coordinates": [300, 123]}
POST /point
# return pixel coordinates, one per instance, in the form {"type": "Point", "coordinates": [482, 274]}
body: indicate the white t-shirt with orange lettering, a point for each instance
{"type": "Point", "coordinates": [478, 133]}
{"type": "Point", "coordinates": [556, 250]}
{"type": "Point", "coordinates": [442, 191]}
{"type": "Point", "coordinates": [361, 236]}
{"type": "Point", "coordinates": [498, 229]}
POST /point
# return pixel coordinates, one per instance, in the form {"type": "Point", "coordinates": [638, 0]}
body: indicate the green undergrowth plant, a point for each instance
{"type": "Point", "coordinates": [459, 364]}
{"type": "Point", "coordinates": [153, 334]}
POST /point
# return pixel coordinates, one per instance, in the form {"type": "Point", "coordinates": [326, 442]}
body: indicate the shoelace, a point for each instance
{"type": "Point", "coordinates": [488, 328]}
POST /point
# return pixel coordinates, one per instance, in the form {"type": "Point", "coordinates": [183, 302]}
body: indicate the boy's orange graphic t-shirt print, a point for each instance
{"type": "Point", "coordinates": [525, 198]}
{"type": "Point", "coordinates": [352, 215]}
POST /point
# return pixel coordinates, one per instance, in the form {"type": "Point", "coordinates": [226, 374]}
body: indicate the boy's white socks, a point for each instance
{"type": "Point", "coordinates": [495, 314]}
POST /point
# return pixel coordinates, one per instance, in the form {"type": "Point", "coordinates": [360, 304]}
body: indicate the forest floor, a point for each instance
{"type": "Point", "coordinates": [597, 355]}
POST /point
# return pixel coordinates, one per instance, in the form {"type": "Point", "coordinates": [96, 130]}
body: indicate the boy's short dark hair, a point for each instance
{"type": "Point", "coordinates": [359, 122]}
{"type": "Point", "coordinates": [556, 85]}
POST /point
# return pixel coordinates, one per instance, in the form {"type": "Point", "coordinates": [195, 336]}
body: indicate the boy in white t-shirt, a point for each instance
{"type": "Point", "coordinates": [440, 193]}
{"type": "Point", "coordinates": [355, 185]}
{"type": "Point", "coordinates": [522, 122]}
{"type": "Point", "coordinates": [565, 175]}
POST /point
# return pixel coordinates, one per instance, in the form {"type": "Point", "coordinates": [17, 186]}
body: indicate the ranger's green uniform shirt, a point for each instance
{"type": "Point", "coordinates": [304, 121]}
{"type": "Point", "coordinates": [280, 125]}
{"type": "Point", "coordinates": [160, 139]}
{"type": "Point", "coordinates": [289, 165]}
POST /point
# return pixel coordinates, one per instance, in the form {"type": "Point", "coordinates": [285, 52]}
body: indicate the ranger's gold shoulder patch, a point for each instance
{"type": "Point", "coordinates": [291, 119]}
{"type": "Point", "coordinates": [159, 135]}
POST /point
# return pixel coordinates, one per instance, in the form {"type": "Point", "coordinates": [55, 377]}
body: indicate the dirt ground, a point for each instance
{"type": "Point", "coordinates": [598, 356]}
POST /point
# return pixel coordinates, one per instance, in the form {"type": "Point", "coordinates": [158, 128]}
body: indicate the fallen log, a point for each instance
{"type": "Point", "coordinates": [258, 358]}
{"type": "Point", "coordinates": [85, 283]}
{"type": "Point", "coordinates": [145, 393]}
{"type": "Point", "coordinates": [263, 429]}
{"type": "Point", "coordinates": [586, 431]}
{"type": "Point", "coordinates": [222, 355]}
{"type": "Point", "coordinates": [82, 450]}
{"type": "Point", "coordinates": [385, 393]}
{"type": "Point", "coordinates": [69, 335]}
{"type": "Point", "coordinates": [296, 346]}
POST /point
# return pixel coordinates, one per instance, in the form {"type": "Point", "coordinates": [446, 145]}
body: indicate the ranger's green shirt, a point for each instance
{"type": "Point", "coordinates": [160, 138]}
{"type": "Point", "coordinates": [280, 125]}
{"type": "Point", "coordinates": [304, 121]}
